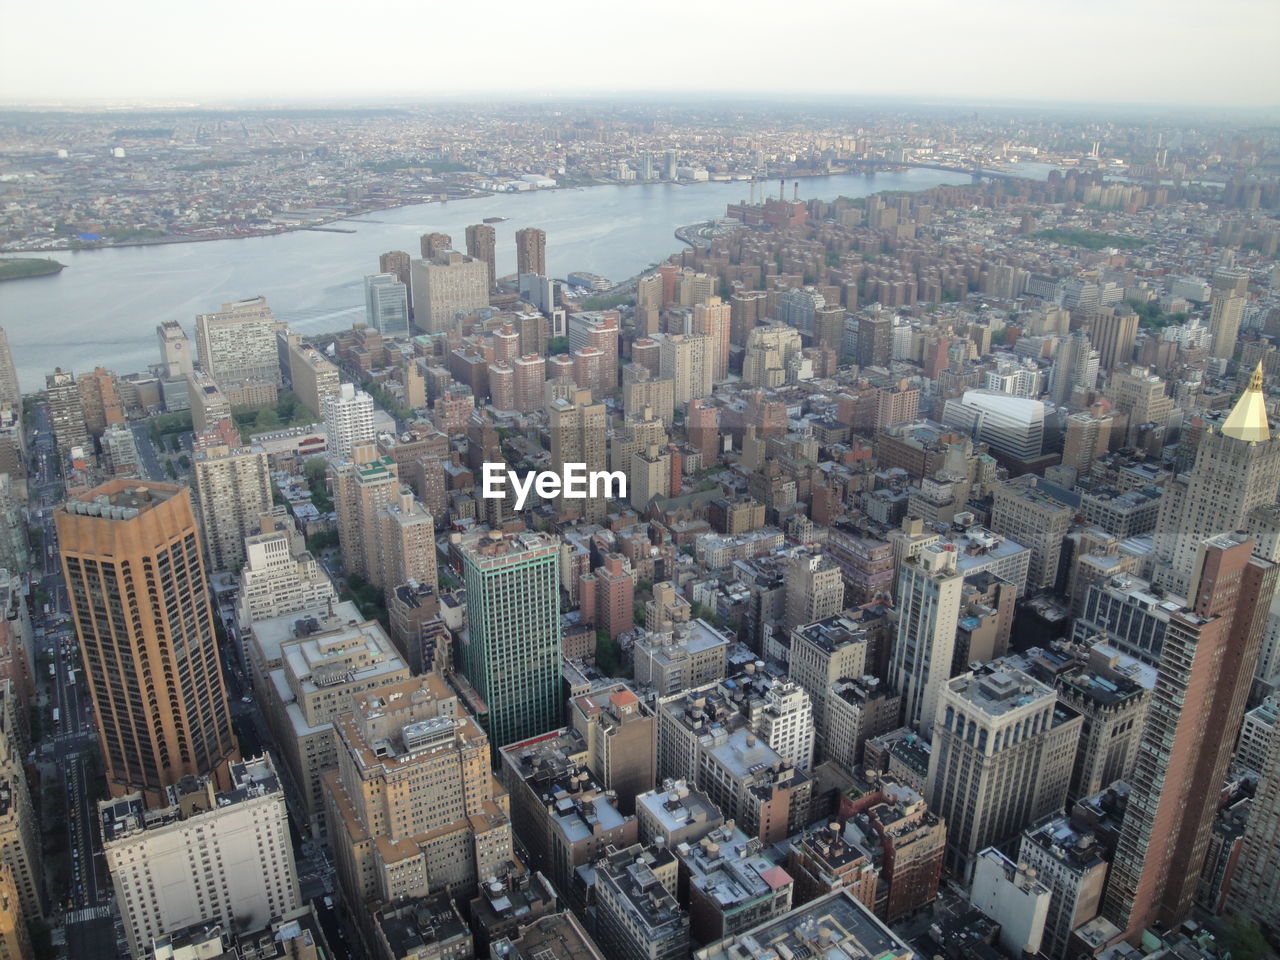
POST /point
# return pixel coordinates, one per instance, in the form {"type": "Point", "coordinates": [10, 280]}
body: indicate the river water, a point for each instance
{"type": "Point", "coordinates": [103, 309]}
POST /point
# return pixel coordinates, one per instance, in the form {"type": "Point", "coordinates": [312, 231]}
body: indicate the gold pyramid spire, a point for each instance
{"type": "Point", "coordinates": [1248, 418]}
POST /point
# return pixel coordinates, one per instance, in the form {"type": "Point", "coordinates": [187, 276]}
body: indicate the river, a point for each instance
{"type": "Point", "coordinates": [103, 309]}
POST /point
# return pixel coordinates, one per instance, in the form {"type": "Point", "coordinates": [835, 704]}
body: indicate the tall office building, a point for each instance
{"type": "Point", "coordinates": [140, 601]}
{"type": "Point", "coordinates": [386, 305]}
{"type": "Point", "coordinates": [929, 593]}
{"type": "Point", "coordinates": [1237, 470]}
{"type": "Point", "coordinates": [814, 590]}
{"type": "Point", "coordinates": [531, 251]}
{"type": "Point", "coordinates": [511, 649]}
{"type": "Point", "coordinates": [1226, 310]}
{"type": "Point", "coordinates": [279, 576]}
{"type": "Point", "coordinates": [413, 807]}
{"type": "Point", "coordinates": [1206, 666]}
{"type": "Point", "coordinates": [348, 420]}
{"type": "Point", "coordinates": [1087, 439]}
{"type": "Point", "coordinates": [1026, 514]}
{"type": "Point", "coordinates": [232, 493]}
{"type": "Point", "coordinates": [66, 411]}
{"type": "Point", "coordinates": [1001, 759]}
{"type": "Point", "coordinates": [648, 305]}
{"type": "Point", "coordinates": [875, 340]}
{"type": "Point", "coordinates": [447, 287]}
{"type": "Point", "coordinates": [239, 343]}
{"type": "Point", "coordinates": [1140, 396]}
{"type": "Point", "coordinates": [208, 854]}
{"type": "Point", "coordinates": [1075, 367]}
{"type": "Point", "coordinates": [176, 358]}
{"type": "Point", "coordinates": [578, 431]}
{"type": "Point", "coordinates": [1115, 331]}
{"type": "Point", "coordinates": [15, 939]}
{"type": "Point", "coordinates": [482, 243]}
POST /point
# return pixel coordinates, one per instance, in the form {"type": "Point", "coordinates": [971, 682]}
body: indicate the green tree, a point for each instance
{"type": "Point", "coordinates": [1245, 941]}
{"type": "Point", "coordinates": [170, 470]}
{"type": "Point", "coordinates": [557, 345]}
{"type": "Point", "coordinates": [608, 654]}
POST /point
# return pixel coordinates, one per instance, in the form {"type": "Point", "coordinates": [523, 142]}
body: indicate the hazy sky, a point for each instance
{"type": "Point", "coordinates": [1120, 51]}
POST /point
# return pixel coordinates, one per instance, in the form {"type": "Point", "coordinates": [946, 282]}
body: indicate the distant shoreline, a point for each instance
{"type": "Point", "coordinates": [278, 229]}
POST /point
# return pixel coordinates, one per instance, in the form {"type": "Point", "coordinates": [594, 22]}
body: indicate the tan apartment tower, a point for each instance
{"type": "Point", "coordinates": [140, 602]}
{"type": "Point", "coordinates": [531, 251]}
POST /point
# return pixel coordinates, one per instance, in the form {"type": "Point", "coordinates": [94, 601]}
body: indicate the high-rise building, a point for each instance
{"type": "Point", "coordinates": [930, 589]}
{"type": "Point", "coordinates": [232, 492]}
{"type": "Point", "coordinates": [207, 854]}
{"type": "Point", "coordinates": [396, 263]}
{"type": "Point", "coordinates": [771, 348]}
{"type": "Point", "coordinates": [1255, 891]}
{"type": "Point", "coordinates": [239, 343]}
{"type": "Point", "coordinates": [1226, 310]}
{"type": "Point", "coordinates": [10, 390]}
{"type": "Point", "coordinates": [578, 435]}
{"type": "Point", "coordinates": [638, 917]}
{"type": "Point", "coordinates": [597, 330]}
{"type": "Point", "coordinates": [482, 243]}
{"type": "Point", "coordinates": [531, 251]}
{"type": "Point", "coordinates": [363, 487]}
{"type": "Point", "coordinates": [712, 319]}
{"type": "Point", "coordinates": [511, 648]}
{"type": "Point", "coordinates": [413, 806]}
{"type": "Point", "coordinates": [144, 623]}
{"type": "Point", "coordinates": [348, 420]}
{"type": "Point", "coordinates": [1086, 440]}
{"type": "Point", "coordinates": [1024, 512]}
{"type": "Point", "coordinates": [649, 476]}
{"type": "Point", "coordinates": [1206, 666]}
{"type": "Point", "coordinates": [1115, 331]}
{"type": "Point", "coordinates": [20, 853]}
{"type": "Point", "coordinates": [176, 357]}
{"type": "Point", "coordinates": [100, 400]}
{"type": "Point", "coordinates": [1236, 471]}
{"type": "Point", "coordinates": [702, 425]}
{"type": "Point", "coordinates": [1140, 396]}
{"type": "Point", "coordinates": [1009, 425]}
{"type": "Point", "coordinates": [386, 305]}
{"type": "Point", "coordinates": [1001, 759]}
{"type": "Point", "coordinates": [313, 376]}
{"type": "Point", "coordinates": [66, 411]}
{"type": "Point", "coordinates": [686, 361]}
{"type": "Point", "coordinates": [15, 940]}
{"type": "Point", "coordinates": [621, 736]}
{"type": "Point", "coordinates": [814, 590]}
{"type": "Point", "coordinates": [279, 576]}
{"type": "Point", "coordinates": [1073, 865]}
{"type": "Point", "coordinates": [648, 305]}
{"type": "Point", "coordinates": [431, 244]}
{"type": "Point", "coordinates": [446, 287]}
{"type": "Point", "coordinates": [875, 340]}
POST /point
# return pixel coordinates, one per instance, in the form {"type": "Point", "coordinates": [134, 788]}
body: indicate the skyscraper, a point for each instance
{"type": "Point", "coordinates": [10, 392]}
{"type": "Point", "coordinates": [1115, 330]}
{"type": "Point", "coordinates": [1206, 665]}
{"type": "Point", "coordinates": [446, 287]}
{"type": "Point", "coordinates": [1237, 470]}
{"type": "Point", "coordinates": [578, 435]}
{"type": "Point", "coordinates": [434, 243]}
{"type": "Point", "coordinates": [232, 493]}
{"type": "Point", "coordinates": [712, 319]}
{"type": "Point", "coordinates": [1001, 759]}
{"type": "Point", "coordinates": [511, 649]}
{"type": "Point", "coordinates": [1075, 367]}
{"type": "Point", "coordinates": [386, 305]}
{"type": "Point", "coordinates": [66, 411]}
{"type": "Point", "coordinates": [176, 359]}
{"type": "Point", "coordinates": [531, 251]}
{"type": "Point", "coordinates": [482, 242]}
{"type": "Point", "coordinates": [238, 343]}
{"type": "Point", "coordinates": [140, 601]}
{"type": "Point", "coordinates": [1226, 310]}
{"type": "Point", "coordinates": [348, 420]}
{"type": "Point", "coordinates": [1255, 891]}
{"type": "Point", "coordinates": [929, 593]}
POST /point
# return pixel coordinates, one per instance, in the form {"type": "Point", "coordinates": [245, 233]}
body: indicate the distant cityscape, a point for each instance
{"type": "Point", "coordinates": [939, 616]}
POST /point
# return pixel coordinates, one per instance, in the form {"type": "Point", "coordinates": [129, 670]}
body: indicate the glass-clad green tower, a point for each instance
{"type": "Point", "coordinates": [511, 648]}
